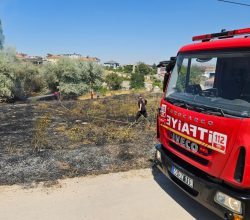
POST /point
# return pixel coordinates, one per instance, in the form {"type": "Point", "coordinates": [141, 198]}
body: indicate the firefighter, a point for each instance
{"type": "Point", "coordinates": [57, 95]}
{"type": "Point", "coordinates": [141, 108]}
{"type": "Point", "coordinates": [91, 94]}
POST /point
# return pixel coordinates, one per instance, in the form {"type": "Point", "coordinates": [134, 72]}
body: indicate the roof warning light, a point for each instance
{"type": "Point", "coordinates": [221, 35]}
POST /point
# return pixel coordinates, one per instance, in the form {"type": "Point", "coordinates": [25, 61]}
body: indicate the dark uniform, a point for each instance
{"type": "Point", "coordinates": [142, 108]}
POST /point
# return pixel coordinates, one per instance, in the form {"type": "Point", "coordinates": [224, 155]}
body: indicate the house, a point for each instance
{"type": "Point", "coordinates": [161, 68]}
{"type": "Point", "coordinates": [112, 64]}
{"type": "Point", "coordinates": [37, 60]}
{"type": "Point", "coordinates": [21, 55]}
{"type": "Point", "coordinates": [90, 59]}
{"type": "Point", "coordinates": [71, 55]}
{"type": "Point", "coordinates": [54, 58]}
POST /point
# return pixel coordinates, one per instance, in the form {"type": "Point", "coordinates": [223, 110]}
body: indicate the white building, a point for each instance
{"type": "Point", "coordinates": [111, 64]}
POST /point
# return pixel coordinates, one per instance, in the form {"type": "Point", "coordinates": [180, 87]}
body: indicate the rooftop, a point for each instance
{"type": "Point", "coordinates": [111, 62]}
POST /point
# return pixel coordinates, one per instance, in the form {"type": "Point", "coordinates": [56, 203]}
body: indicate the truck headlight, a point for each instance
{"type": "Point", "coordinates": [228, 202]}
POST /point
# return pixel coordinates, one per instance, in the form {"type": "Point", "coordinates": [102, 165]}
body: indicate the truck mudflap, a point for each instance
{"type": "Point", "coordinates": [200, 187]}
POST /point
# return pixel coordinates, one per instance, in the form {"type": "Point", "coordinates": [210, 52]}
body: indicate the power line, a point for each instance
{"type": "Point", "coordinates": [236, 3]}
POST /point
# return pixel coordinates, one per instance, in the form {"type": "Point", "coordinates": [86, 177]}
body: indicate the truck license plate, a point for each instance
{"type": "Point", "coordinates": [185, 179]}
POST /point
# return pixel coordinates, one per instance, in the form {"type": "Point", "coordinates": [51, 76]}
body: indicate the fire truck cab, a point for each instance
{"type": "Point", "coordinates": [203, 123]}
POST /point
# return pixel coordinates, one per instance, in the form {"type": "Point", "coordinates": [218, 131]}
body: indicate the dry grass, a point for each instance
{"type": "Point", "coordinates": [110, 120]}
{"type": "Point", "coordinates": [61, 128]}
{"type": "Point", "coordinates": [100, 134]}
{"type": "Point", "coordinates": [100, 121]}
{"type": "Point", "coordinates": [110, 94]}
{"type": "Point", "coordinates": [42, 106]}
{"type": "Point", "coordinates": [76, 138]}
{"type": "Point", "coordinates": [40, 136]}
{"type": "Point", "coordinates": [119, 107]}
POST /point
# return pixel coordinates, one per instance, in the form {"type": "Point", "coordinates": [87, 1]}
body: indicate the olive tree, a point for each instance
{"type": "Point", "coordinates": [72, 77]}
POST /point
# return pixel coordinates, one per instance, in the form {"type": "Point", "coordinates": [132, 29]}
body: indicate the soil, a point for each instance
{"type": "Point", "coordinates": [37, 143]}
{"type": "Point", "coordinates": [134, 195]}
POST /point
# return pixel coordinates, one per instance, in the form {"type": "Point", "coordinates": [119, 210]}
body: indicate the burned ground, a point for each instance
{"type": "Point", "coordinates": [47, 141]}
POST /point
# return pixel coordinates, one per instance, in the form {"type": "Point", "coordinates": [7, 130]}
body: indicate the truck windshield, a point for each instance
{"type": "Point", "coordinates": [215, 82]}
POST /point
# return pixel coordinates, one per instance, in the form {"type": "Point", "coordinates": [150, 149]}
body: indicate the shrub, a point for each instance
{"type": "Point", "coordinates": [137, 80]}
{"type": "Point", "coordinates": [114, 81]}
{"type": "Point", "coordinates": [6, 88]}
{"type": "Point", "coordinates": [31, 79]}
{"type": "Point", "coordinates": [73, 78]}
{"type": "Point", "coordinates": [157, 82]}
{"type": "Point", "coordinates": [7, 78]}
{"type": "Point", "coordinates": [18, 79]}
{"type": "Point", "coordinates": [128, 69]}
{"type": "Point", "coordinates": [143, 69]}
{"type": "Point", "coordinates": [103, 90]}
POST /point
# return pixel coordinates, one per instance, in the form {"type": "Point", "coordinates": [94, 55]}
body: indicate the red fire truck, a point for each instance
{"type": "Point", "coordinates": [203, 123]}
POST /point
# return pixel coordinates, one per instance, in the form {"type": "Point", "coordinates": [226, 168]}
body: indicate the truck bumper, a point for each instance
{"type": "Point", "coordinates": [204, 189]}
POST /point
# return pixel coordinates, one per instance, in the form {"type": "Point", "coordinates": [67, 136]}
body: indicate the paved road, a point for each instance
{"type": "Point", "coordinates": [133, 195]}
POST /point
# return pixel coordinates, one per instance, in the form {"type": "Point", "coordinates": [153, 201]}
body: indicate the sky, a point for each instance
{"type": "Point", "coordinates": [126, 31]}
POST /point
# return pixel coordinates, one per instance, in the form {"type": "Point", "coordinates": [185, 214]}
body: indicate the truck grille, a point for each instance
{"type": "Point", "coordinates": [185, 152]}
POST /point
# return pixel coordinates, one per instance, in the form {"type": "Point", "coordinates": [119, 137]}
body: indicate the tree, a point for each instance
{"type": "Point", "coordinates": [7, 75]}
{"type": "Point", "coordinates": [1, 36]}
{"type": "Point", "coordinates": [143, 69]}
{"type": "Point", "coordinates": [128, 69]}
{"type": "Point", "coordinates": [113, 81]}
{"type": "Point", "coordinates": [33, 80]}
{"type": "Point", "coordinates": [73, 78]}
{"type": "Point", "coordinates": [157, 82]}
{"type": "Point", "coordinates": [154, 66]}
{"type": "Point", "coordinates": [6, 82]}
{"type": "Point", "coordinates": [137, 80]}
{"type": "Point", "coordinates": [153, 69]}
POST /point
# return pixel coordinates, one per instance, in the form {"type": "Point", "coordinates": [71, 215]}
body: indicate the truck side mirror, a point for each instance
{"type": "Point", "coordinates": [169, 69]}
{"type": "Point", "coordinates": [165, 81]}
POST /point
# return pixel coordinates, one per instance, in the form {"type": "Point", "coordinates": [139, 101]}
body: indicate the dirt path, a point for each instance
{"type": "Point", "coordinates": [129, 195]}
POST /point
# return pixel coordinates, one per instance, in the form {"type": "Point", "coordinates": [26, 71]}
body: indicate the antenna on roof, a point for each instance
{"type": "Point", "coordinates": [232, 2]}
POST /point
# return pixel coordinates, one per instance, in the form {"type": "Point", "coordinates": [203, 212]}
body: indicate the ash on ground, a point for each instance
{"type": "Point", "coordinates": [48, 141]}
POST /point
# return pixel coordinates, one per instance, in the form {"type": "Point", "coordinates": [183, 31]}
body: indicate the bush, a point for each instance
{"type": "Point", "coordinates": [143, 69]}
{"type": "Point", "coordinates": [19, 79]}
{"type": "Point", "coordinates": [128, 69]}
{"type": "Point", "coordinates": [137, 80]}
{"type": "Point", "coordinates": [114, 81]}
{"type": "Point", "coordinates": [7, 77]}
{"type": "Point", "coordinates": [157, 82]}
{"type": "Point", "coordinates": [32, 79]}
{"type": "Point", "coordinates": [103, 90]}
{"type": "Point", "coordinates": [6, 88]}
{"type": "Point", "coordinates": [73, 78]}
